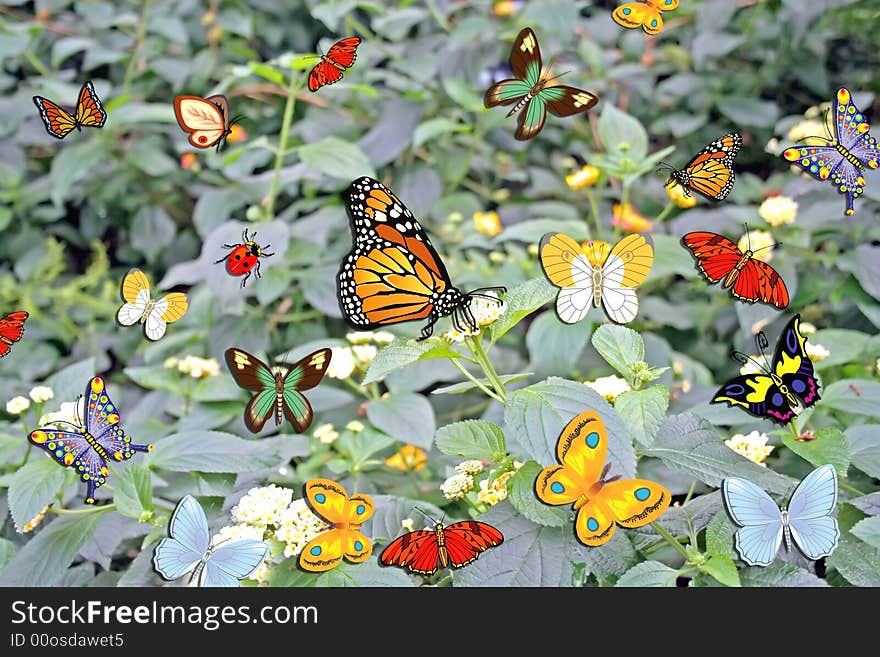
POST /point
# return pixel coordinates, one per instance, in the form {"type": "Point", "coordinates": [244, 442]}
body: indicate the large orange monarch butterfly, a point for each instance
{"type": "Point", "coordinates": [338, 59]}
{"type": "Point", "coordinates": [393, 274]}
{"type": "Point", "coordinates": [749, 279]}
{"type": "Point", "coordinates": [343, 538]}
{"type": "Point", "coordinates": [425, 551]}
{"type": "Point", "coordinates": [582, 480]}
{"type": "Point", "coordinates": [710, 173]}
{"type": "Point", "coordinates": [59, 122]}
{"type": "Point", "coordinates": [206, 120]}
{"type": "Point", "coordinates": [11, 330]}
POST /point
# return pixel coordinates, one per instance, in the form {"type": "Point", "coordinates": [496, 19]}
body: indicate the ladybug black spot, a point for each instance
{"type": "Point", "coordinates": [246, 265]}
{"type": "Point", "coordinates": [237, 257]}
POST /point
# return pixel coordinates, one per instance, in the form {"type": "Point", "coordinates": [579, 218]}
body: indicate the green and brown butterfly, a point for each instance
{"type": "Point", "coordinates": [278, 388]}
{"type": "Point", "coordinates": [534, 90]}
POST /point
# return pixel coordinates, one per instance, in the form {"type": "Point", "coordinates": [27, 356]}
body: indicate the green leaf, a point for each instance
{"type": "Point", "coordinates": [865, 449]}
{"type": "Point", "coordinates": [467, 384]}
{"type": "Point", "coordinates": [406, 351]}
{"type": "Point", "coordinates": [621, 134]}
{"type": "Point", "coordinates": [215, 451]}
{"type": "Point", "coordinates": [642, 411]}
{"type": "Point", "coordinates": [555, 346]}
{"type": "Point", "coordinates": [463, 94]}
{"type": "Point", "coordinates": [155, 377]}
{"type": "Point", "coordinates": [745, 111]}
{"type": "Point", "coordinates": [853, 396]}
{"type": "Point", "coordinates": [7, 551]}
{"type": "Point", "coordinates": [521, 301]}
{"type": "Point", "coordinates": [269, 73]}
{"type": "Point", "coordinates": [846, 346]}
{"type": "Point", "coordinates": [472, 439]}
{"type": "Point", "coordinates": [671, 258]}
{"type": "Point", "coordinates": [391, 511]}
{"type": "Point", "coordinates": [521, 493]}
{"type": "Point", "coordinates": [368, 573]}
{"type": "Point", "coordinates": [71, 165]}
{"type": "Point", "coordinates": [69, 383]}
{"type": "Point", "coordinates": [609, 561]}
{"type": "Point", "coordinates": [337, 158]}
{"type": "Point", "coordinates": [868, 530]}
{"type": "Point", "coordinates": [621, 348]}
{"type": "Point", "coordinates": [433, 128]}
{"type": "Point", "coordinates": [855, 560]}
{"type": "Point", "coordinates": [722, 568]}
{"type": "Point", "coordinates": [134, 492]}
{"type": "Point", "coordinates": [779, 575]}
{"type": "Point", "coordinates": [719, 536]}
{"type": "Point", "coordinates": [32, 487]}
{"type": "Point", "coordinates": [43, 560]}
{"type": "Point", "coordinates": [689, 445]}
{"type": "Point", "coordinates": [864, 264]}
{"type": "Point", "coordinates": [360, 446]}
{"type": "Point", "coordinates": [407, 417]}
{"type": "Point", "coordinates": [535, 417]}
{"type": "Point", "coordinates": [830, 446]}
{"type": "Point", "coordinates": [648, 573]}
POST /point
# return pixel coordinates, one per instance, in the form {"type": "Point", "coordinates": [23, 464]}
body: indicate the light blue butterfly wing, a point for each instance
{"type": "Point", "coordinates": [813, 529]}
{"type": "Point", "coordinates": [234, 561]}
{"type": "Point", "coordinates": [760, 536]}
{"type": "Point", "coordinates": [188, 542]}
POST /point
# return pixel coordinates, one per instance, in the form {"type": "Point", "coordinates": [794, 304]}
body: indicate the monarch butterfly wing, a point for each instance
{"type": "Point", "coordinates": [812, 528]}
{"type": "Point", "coordinates": [322, 74]}
{"type": "Point", "coordinates": [758, 281]}
{"type": "Point", "coordinates": [760, 536]}
{"type": "Point", "coordinates": [392, 273]}
{"type": "Point", "coordinates": [233, 561]}
{"type": "Point", "coordinates": [525, 57]}
{"type": "Point", "coordinates": [792, 364]}
{"type": "Point", "coordinates": [89, 109]}
{"type": "Point", "coordinates": [757, 395]}
{"type": "Point", "coordinates": [638, 14]}
{"type": "Point", "coordinates": [506, 92]}
{"type": "Point", "coordinates": [136, 293]}
{"type": "Point", "coordinates": [417, 551]}
{"type": "Point", "coordinates": [715, 255]}
{"type": "Point", "coordinates": [626, 267]}
{"type": "Point", "coordinates": [563, 100]}
{"type": "Point", "coordinates": [581, 450]}
{"type": "Point", "coordinates": [466, 540]}
{"type": "Point", "coordinates": [344, 51]}
{"type": "Point", "coordinates": [11, 330]}
{"type": "Point", "coordinates": [635, 502]}
{"type": "Point", "coordinates": [530, 120]}
{"type": "Point", "coordinates": [187, 543]}
{"type": "Point", "coordinates": [202, 119]}
{"type": "Point", "coordinates": [58, 121]}
{"type": "Point", "coordinates": [563, 262]}
{"type": "Point", "coordinates": [711, 171]}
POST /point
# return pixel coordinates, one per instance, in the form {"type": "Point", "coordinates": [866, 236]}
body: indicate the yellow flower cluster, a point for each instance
{"type": "Point", "coordinates": [807, 129]}
{"type": "Point", "coordinates": [778, 210]}
{"type": "Point", "coordinates": [326, 433]}
{"type": "Point", "coordinates": [609, 386]}
{"type": "Point", "coordinates": [493, 492]}
{"type": "Point", "coordinates": [194, 366]}
{"type": "Point", "coordinates": [753, 446]}
{"type": "Point", "coordinates": [761, 243]}
{"type": "Point", "coordinates": [488, 223]}
{"type": "Point", "coordinates": [485, 312]}
{"type": "Point", "coordinates": [629, 219]}
{"type": "Point", "coordinates": [586, 176]}
{"type": "Point", "coordinates": [408, 458]}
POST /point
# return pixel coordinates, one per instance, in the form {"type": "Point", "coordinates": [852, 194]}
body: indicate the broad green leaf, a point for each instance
{"type": "Point", "coordinates": [465, 386]}
{"type": "Point", "coordinates": [134, 492]}
{"type": "Point", "coordinates": [609, 561]}
{"type": "Point", "coordinates": [830, 446]}
{"type": "Point", "coordinates": [406, 351]}
{"type": "Point", "coordinates": [535, 417]}
{"type": "Point", "coordinates": [215, 451]}
{"type": "Point", "coordinates": [32, 487]}
{"type": "Point", "coordinates": [868, 530]}
{"type": "Point", "coordinates": [719, 536]}
{"type": "Point", "coordinates": [155, 377]}
{"type": "Point", "coordinates": [554, 346]}
{"type": "Point", "coordinates": [522, 300]}
{"type": "Point", "coordinates": [463, 94]}
{"type": "Point", "coordinates": [337, 157]}
{"type": "Point", "coordinates": [622, 134]}
{"type": "Point", "coordinates": [43, 560]}
{"type": "Point", "coordinates": [864, 264]}
{"type": "Point", "coordinates": [368, 573]}
{"type": "Point", "coordinates": [853, 396]}
{"type": "Point", "coordinates": [648, 573]}
{"type": "Point", "coordinates": [846, 346]}
{"type": "Point", "coordinates": [69, 384]}
{"type": "Point", "coordinates": [865, 448]}
{"type": "Point", "coordinates": [679, 520]}
{"type": "Point", "coordinates": [869, 504]}
{"type": "Point", "coordinates": [391, 511]}
{"type": "Point", "coordinates": [407, 417]}
{"type": "Point", "coordinates": [7, 551]}
{"type": "Point", "coordinates": [472, 439]}
{"type": "Point", "coordinates": [779, 575]}
{"type": "Point", "coordinates": [360, 446]}
{"type": "Point", "coordinates": [722, 568]}
{"type": "Point", "coordinates": [642, 411]}
{"type": "Point", "coordinates": [269, 73]}
{"type": "Point", "coordinates": [521, 493]}
{"type": "Point", "coordinates": [854, 559]}
{"type": "Point", "coordinates": [621, 348]}
{"type": "Point", "coordinates": [433, 128]}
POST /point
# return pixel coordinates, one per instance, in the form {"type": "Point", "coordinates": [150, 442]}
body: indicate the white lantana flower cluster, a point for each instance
{"type": "Point", "coordinates": [262, 506]}
{"type": "Point", "coordinates": [194, 366]}
{"type": "Point", "coordinates": [753, 446]}
{"type": "Point", "coordinates": [297, 525]}
{"type": "Point", "coordinates": [609, 386]}
{"type": "Point", "coordinates": [457, 486]}
{"type": "Point", "coordinates": [69, 412]}
{"type": "Point", "coordinates": [357, 356]}
{"type": "Point", "coordinates": [486, 310]}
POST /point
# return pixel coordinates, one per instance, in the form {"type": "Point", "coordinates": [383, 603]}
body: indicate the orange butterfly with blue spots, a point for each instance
{"type": "Point", "coordinates": [59, 122]}
{"type": "Point", "coordinates": [343, 538]}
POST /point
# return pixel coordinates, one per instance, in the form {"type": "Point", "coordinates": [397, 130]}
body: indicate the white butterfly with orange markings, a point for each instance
{"type": "Point", "coordinates": [205, 119]}
{"type": "Point", "coordinates": [154, 314]}
{"type": "Point", "coordinates": [593, 273]}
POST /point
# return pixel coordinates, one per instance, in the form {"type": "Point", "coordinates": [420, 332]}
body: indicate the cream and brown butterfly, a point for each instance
{"type": "Point", "coordinates": [154, 314]}
{"type": "Point", "coordinates": [343, 538]}
{"type": "Point", "coordinates": [205, 119]}
{"type": "Point", "coordinates": [592, 273]}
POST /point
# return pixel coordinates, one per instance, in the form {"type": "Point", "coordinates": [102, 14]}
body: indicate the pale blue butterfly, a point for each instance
{"type": "Point", "coordinates": [807, 519]}
{"type": "Point", "coordinates": [189, 548]}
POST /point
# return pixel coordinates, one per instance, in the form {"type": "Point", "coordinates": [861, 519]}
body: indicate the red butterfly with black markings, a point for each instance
{"type": "Point", "coordinates": [427, 550]}
{"type": "Point", "coordinates": [749, 279]}
{"type": "Point", "coordinates": [338, 59]}
{"type": "Point", "coordinates": [11, 330]}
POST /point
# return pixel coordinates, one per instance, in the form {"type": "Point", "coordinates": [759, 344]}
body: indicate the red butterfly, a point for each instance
{"type": "Point", "coordinates": [426, 550]}
{"type": "Point", "coordinates": [340, 57]}
{"type": "Point", "coordinates": [752, 280]}
{"type": "Point", "coordinates": [11, 330]}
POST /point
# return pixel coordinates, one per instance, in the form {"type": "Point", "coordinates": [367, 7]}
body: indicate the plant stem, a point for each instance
{"type": "Point", "coordinates": [851, 489]}
{"type": "Point", "coordinates": [138, 43]}
{"type": "Point", "coordinates": [292, 90]}
{"type": "Point", "coordinates": [670, 539]}
{"type": "Point", "coordinates": [660, 217]}
{"type": "Point", "coordinates": [475, 381]}
{"type": "Point", "coordinates": [82, 511]}
{"type": "Point", "coordinates": [594, 213]}
{"type": "Point", "coordinates": [687, 497]}
{"type": "Point", "coordinates": [476, 346]}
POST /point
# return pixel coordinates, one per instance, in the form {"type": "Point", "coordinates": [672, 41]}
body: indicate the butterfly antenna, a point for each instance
{"type": "Point", "coordinates": [762, 343]}
{"type": "Point", "coordinates": [745, 359]}
{"type": "Point", "coordinates": [426, 515]}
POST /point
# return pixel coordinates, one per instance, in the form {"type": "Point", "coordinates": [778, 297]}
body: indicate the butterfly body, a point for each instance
{"type": "Point", "coordinates": [11, 330]}
{"type": "Point", "coordinates": [189, 549]}
{"type": "Point", "coordinates": [805, 522]}
{"type": "Point", "coordinates": [59, 122]}
{"type": "Point", "coordinates": [845, 156]}
{"type": "Point", "coordinates": [140, 307]}
{"type": "Point", "coordinates": [596, 274]}
{"type": "Point", "coordinates": [338, 59]}
{"type": "Point", "coordinates": [425, 551]}
{"type": "Point", "coordinates": [535, 90]}
{"type": "Point", "coordinates": [343, 539]}
{"type": "Point", "coordinates": [777, 392]}
{"type": "Point", "coordinates": [749, 279]}
{"type": "Point", "coordinates": [206, 120]}
{"type": "Point", "coordinates": [243, 259]}
{"type": "Point", "coordinates": [92, 445]}
{"type": "Point", "coordinates": [646, 15]}
{"type": "Point", "coordinates": [710, 173]}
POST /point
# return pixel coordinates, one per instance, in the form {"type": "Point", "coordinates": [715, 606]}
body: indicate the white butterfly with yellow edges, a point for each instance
{"type": "Point", "coordinates": [154, 314]}
{"type": "Point", "coordinates": [592, 273]}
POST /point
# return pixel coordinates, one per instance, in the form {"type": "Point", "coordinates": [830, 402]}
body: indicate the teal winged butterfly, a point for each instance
{"type": "Point", "coordinates": [279, 388]}
{"type": "Point", "coordinates": [534, 90]}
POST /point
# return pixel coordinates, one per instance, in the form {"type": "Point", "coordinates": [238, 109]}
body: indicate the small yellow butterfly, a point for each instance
{"type": "Point", "coordinates": [582, 479]}
{"type": "Point", "coordinates": [594, 273]}
{"type": "Point", "coordinates": [154, 314]}
{"type": "Point", "coordinates": [643, 14]}
{"type": "Point", "coordinates": [344, 538]}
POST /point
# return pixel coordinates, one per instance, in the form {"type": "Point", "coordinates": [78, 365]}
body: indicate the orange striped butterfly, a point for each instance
{"type": "Point", "coordinates": [643, 14]}
{"type": "Point", "coordinates": [710, 173]}
{"type": "Point", "coordinates": [206, 120]}
{"type": "Point", "coordinates": [338, 59]}
{"type": "Point", "coordinates": [343, 538]}
{"type": "Point", "coordinates": [59, 122]}
{"type": "Point", "coordinates": [582, 480]}
{"type": "Point", "coordinates": [393, 274]}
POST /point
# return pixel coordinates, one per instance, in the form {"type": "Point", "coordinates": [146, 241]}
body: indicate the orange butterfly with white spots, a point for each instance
{"type": "Point", "coordinates": [59, 122]}
{"type": "Point", "coordinates": [710, 173]}
{"type": "Point", "coordinates": [393, 274]}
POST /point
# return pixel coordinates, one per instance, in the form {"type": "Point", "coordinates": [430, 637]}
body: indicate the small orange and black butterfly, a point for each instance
{"type": "Point", "coordinates": [59, 122]}
{"type": "Point", "coordinates": [393, 274]}
{"type": "Point", "coordinates": [710, 173]}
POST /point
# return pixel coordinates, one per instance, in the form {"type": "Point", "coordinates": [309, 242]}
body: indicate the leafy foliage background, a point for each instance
{"type": "Point", "coordinates": [76, 215]}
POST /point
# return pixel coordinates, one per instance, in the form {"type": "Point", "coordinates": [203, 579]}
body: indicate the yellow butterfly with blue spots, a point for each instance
{"type": "Point", "coordinates": [343, 538]}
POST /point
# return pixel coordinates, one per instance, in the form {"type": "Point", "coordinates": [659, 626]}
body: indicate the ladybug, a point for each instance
{"type": "Point", "coordinates": [244, 258]}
